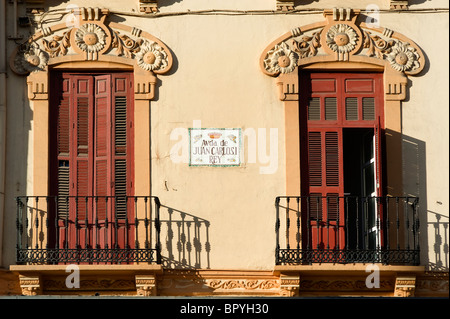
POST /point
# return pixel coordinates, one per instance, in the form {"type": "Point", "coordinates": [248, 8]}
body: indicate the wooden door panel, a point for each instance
{"type": "Point", "coordinates": [335, 101]}
{"type": "Point", "coordinates": [92, 160]}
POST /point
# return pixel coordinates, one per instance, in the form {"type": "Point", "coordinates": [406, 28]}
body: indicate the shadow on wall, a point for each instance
{"type": "Point", "coordinates": [438, 225]}
{"type": "Point", "coordinates": [184, 240]}
{"type": "Point", "coordinates": [434, 226]}
{"type": "Point", "coordinates": [167, 3]}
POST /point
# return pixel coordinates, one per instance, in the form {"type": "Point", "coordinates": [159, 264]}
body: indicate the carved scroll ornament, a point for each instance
{"type": "Point", "coordinates": [91, 38]}
{"type": "Point", "coordinates": [342, 38]}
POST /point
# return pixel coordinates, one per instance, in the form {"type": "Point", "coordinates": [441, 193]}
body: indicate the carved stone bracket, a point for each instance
{"type": "Point", "coordinates": [289, 285]}
{"type": "Point", "coordinates": [145, 285]}
{"type": "Point", "coordinates": [285, 5]}
{"type": "Point", "coordinates": [30, 285]}
{"type": "Point", "coordinates": [399, 4]}
{"type": "Point", "coordinates": [405, 286]}
{"type": "Point", "coordinates": [148, 6]}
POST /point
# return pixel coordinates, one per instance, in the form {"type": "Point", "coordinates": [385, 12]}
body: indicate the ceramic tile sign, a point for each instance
{"type": "Point", "coordinates": [214, 146]}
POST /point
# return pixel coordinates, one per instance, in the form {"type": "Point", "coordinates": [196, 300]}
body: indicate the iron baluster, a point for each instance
{"type": "Point", "coordinates": [298, 223]}
{"type": "Point", "coordinates": [36, 221]}
{"type": "Point", "coordinates": [97, 244]}
{"type": "Point", "coordinates": [317, 221]}
{"type": "Point", "coordinates": [136, 224]}
{"type": "Point", "coordinates": [277, 230]}
{"type": "Point", "coordinates": [106, 228]}
{"type": "Point", "coordinates": [86, 235]}
{"type": "Point", "coordinates": [407, 222]}
{"type": "Point", "coordinates": [127, 244]}
{"type": "Point", "coordinates": [388, 224]}
{"type": "Point", "coordinates": [158, 230]}
{"type": "Point", "coordinates": [146, 222]}
{"type": "Point", "coordinates": [328, 221]}
{"type": "Point", "coordinates": [398, 222]}
{"type": "Point", "coordinates": [55, 202]}
{"type": "Point", "coordinates": [287, 223]}
{"type": "Point", "coordinates": [308, 225]}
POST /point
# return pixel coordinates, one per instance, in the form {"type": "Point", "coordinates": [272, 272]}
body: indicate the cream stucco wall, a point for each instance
{"type": "Point", "coordinates": [216, 79]}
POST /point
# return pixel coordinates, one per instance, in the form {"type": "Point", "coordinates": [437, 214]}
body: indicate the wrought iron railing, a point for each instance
{"type": "Point", "coordinates": [349, 229]}
{"type": "Point", "coordinates": [88, 229]}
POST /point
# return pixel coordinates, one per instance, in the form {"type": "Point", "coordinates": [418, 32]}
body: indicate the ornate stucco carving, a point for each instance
{"type": "Point", "coordinates": [91, 38]}
{"type": "Point", "coordinates": [145, 285]}
{"type": "Point", "coordinates": [30, 285]}
{"type": "Point", "coordinates": [405, 286]}
{"type": "Point", "coordinates": [289, 285]}
{"type": "Point", "coordinates": [342, 37]}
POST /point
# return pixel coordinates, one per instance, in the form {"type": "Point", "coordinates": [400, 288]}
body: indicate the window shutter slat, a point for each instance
{"type": "Point", "coordinates": [82, 185]}
{"type": "Point", "coordinates": [82, 125]}
{"type": "Point", "coordinates": [121, 125]}
{"type": "Point", "coordinates": [63, 127]}
{"type": "Point", "coordinates": [332, 158]}
{"type": "Point", "coordinates": [315, 158]}
{"type": "Point", "coordinates": [314, 109]}
{"type": "Point", "coordinates": [63, 188]}
{"type": "Point", "coordinates": [315, 207]}
{"type": "Point", "coordinates": [330, 108]}
{"type": "Point", "coordinates": [332, 206]}
{"type": "Point", "coordinates": [121, 188]}
{"type": "Point", "coordinates": [101, 127]}
{"type": "Point", "coordinates": [351, 109]}
{"type": "Point", "coordinates": [368, 104]}
{"type": "Point", "coordinates": [101, 187]}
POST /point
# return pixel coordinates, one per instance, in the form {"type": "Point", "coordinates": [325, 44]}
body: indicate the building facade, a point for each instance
{"type": "Point", "coordinates": [244, 148]}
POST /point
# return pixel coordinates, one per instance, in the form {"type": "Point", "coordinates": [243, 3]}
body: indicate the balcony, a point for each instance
{"type": "Point", "coordinates": [333, 229]}
{"type": "Point", "coordinates": [88, 230]}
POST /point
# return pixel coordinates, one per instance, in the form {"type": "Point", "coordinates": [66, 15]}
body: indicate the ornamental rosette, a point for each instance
{"type": "Point", "coordinates": [32, 59]}
{"type": "Point", "coordinates": [403, 57]}
{"type": "Point", "coordinates": [151, 57]}
{"type": "Point", "coordinates": [341, 38]}
{"type": "Point", "coordinates": [281, 59]}
{"type": "Point", "coordinates": [90, 38]}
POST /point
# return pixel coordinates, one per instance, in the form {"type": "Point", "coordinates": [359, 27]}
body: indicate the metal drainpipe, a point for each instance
{"type": "Point", "coordinates": [2, 120]}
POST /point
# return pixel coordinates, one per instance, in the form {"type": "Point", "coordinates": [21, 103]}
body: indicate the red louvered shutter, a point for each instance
{"type": "Point", "coordinates": [336, 107]}
{"type": "Point", "coordinates": [102, 148]}
{"type": "Point", "coordinates": [325, 186]}
{"type": "Point", "coordinates": [122, 156]}
{"type": "Point", "coordinates": [92, 169]}
{"type": "Point", "coordinates": [81, 157]}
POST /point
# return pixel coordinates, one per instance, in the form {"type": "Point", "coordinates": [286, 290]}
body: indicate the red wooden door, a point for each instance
{"type": "Point", "coordinates": [334, 104]}
{"type": "Point", "coordinates": [92, 150]}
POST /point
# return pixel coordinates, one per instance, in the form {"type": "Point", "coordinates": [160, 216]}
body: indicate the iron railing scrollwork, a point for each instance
{"type": "Point", "coordinates": [348, 229]}
{"type": "Point", "coordinates": [88, 229]}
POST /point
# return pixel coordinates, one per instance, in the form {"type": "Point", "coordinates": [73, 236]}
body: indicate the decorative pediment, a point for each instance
{"type": "Point", "coordinates": [342, 37]}
{"type": "Point", "coordinates": [91, 37]}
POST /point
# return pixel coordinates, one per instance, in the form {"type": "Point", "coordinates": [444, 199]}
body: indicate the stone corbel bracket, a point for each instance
{"type": "Point", "coordinates": [148, 6]}
{"type": "Point", "coordinates": [289, 285]}
{"type": "Point", "coordinates": [30, 285]}
{"type": "Point", "coordinates": [91, 38]}
{"type": "Point", "coordinates": [399, 4]}
{"type": "Point", "coordinates": [145, 285]}
{"type": "Point", "coordinates": [405, 286]}
{"type": "Point", "coordinates": [343, 36]}
{"type": "Point", "coordinates": [285, 5]}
